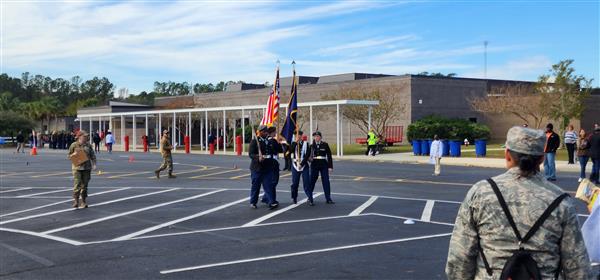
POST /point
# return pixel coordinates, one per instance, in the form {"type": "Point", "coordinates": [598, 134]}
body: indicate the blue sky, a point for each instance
{"type": "Point", "coordinates": [136, 43]}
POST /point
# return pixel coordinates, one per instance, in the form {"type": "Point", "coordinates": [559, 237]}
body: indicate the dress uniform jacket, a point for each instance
{"type": "Point", "coordinates": [321, 155]}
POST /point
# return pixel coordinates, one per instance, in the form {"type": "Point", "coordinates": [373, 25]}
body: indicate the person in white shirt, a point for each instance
{"type": "Point", "coordinates": [110, 140]}
{"type": "Point", "coordinates": [571, 143]}
{"type": "Point", "coordinates": [435, 154]}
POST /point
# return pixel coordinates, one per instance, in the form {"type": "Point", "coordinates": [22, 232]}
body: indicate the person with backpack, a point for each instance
{"type": "Point", "coordinates": [518, 225]}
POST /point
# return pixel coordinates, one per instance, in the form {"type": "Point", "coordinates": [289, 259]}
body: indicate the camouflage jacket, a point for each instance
{"type": "Point", "coordinates": [558, 239]}
{"type": "Point", "coordinates": [165, 147]}
{"type": "Point", "coordinates": [87, 148]}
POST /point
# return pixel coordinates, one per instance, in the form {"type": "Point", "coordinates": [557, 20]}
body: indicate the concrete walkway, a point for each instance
{"type": "Point", "coordinates": [561, 166]}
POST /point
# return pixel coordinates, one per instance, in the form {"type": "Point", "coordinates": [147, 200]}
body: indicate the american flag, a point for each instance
{"type": "Point", "coordinates": [272, 112]}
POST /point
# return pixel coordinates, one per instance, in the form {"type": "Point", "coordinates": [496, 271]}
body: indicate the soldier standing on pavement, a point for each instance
{"type": "Point", "coordinates": [300, 151]}
{"type": "Point", "coordinates": [165, 151]}
{"type": "Point", "coordinates": [484, 236]}
{"type": "Point", "coordinates": [321, 162]}
{"type": "Point", "coordinates": [271, 162]}
{"type": "Point", "coordinates": [256, 152]}
{"type": "Point", "coordinates": [82, 173]}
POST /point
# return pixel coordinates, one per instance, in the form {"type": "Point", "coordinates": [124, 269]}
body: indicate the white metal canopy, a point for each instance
{"type": "Point", "coordinates": [188, 112]}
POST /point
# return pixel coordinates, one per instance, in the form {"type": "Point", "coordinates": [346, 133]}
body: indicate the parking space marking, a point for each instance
{"type": "Point", "coordinates": [17, 173]}
{"type": "Point", "coordinates": [34, 257]}
{"type": "Point", "coordinates": [280, 211]}
{"type": "Point", "coordinates": [427, 210]}
{"type": "Point", "coordinates": [51, 174]}
{"type": "Point", "coordinates": [47, 236]}
{"type": "Point", "coordinates": [129, 174]}
{"type": "Point", "coordinates": [305, 253]}
{"type": "Point", "coordinates": [129, 212]}
{"type": "Point", "coordinates": [408, 218]}
{"type": "Point", "coordinates": [204, 168]}
{"type": "Point", "coordinates": [93, 205]}
{"type": "Point", "coordinates": [15, 190]}
{"type": "Point", "coordinates": [235, 227]}
{"type": "Point", "coordinates": [35, 194]}
{"type": "Point", "coordinates": [156, 227]}
{"type": "Point", "coordinates": [358, 178]}
{"type": "Point", "coordinates": [240, 176]}
{"type": "Point", "coordinates": [59, 202]}
{"type": "Point", "coordinates": [215, 173]}
{"type": "Point", "coordinates": [364, 206]}
{"type": "Point", "coordinates": [285, 175]}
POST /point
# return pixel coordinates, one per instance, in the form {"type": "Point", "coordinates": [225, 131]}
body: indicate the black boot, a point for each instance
{"type": "Point", "coordinates": [157, 173]}
{"type": "Point", "coordinates": [171, 176]}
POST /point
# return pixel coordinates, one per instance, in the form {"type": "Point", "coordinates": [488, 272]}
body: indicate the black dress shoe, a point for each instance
{"type": "Point", "coordinates": [273, 206]}
{"type": "Point", "coordinates": [253, 206]}
{"type": "Point", "coordinates": [330, 202]}
{"type": "Point", "coordinates": [295, 201]}
{"type": "Point", "coordinates": [311, 203]}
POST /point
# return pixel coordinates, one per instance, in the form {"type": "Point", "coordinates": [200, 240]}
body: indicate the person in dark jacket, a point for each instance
{"type": "Point", "coordinates": [300, 151]}
{"type": "Point", "coordinates": [20, 142]}
{"type": "Point", "coordinates": [96, 138]}
{"type": "Point", "coordinates": [321, 163]}
{"type": "Point", "coordinates": [257, 151]}
{"type": "Point", "coordinates": [595, 155]}
{"type": "Point", "coordinates": [552, 144]}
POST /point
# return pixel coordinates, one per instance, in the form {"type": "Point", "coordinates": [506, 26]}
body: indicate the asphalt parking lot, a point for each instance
{"type": "Point", "coordinates": [200, 225]}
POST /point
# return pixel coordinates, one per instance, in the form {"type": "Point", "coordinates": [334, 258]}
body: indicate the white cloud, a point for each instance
{"type": "Point", "coordinates": [525, 68]}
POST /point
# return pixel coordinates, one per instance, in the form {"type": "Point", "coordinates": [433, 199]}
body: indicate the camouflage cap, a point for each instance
{"type": "Point", "coordinates": [526, 140]}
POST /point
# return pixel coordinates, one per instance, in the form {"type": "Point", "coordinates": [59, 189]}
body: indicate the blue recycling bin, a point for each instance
{"type": "Point", "coordinates": [416, 146]}
{"type": "Point", "coordinates": [480, 148]}
{"type": "Point", "coordinates": [445, 148]}
{"type": "Point", "coordinates": [455, 148]}
{"type": "Point", "coordinates": [425, 145]}
{"type": "Point", "coordinates": [2, 141]}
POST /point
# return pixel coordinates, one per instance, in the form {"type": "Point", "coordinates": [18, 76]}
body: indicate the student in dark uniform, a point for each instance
{"type": "Point", "coordinates": [287, 155]}
{"type": "Point", "coordinates": [256, 152]}
{"type": "Point", "coordinates": [322, 163]}
{"type": "Point", "coordinates": [300, 151]}
{"type": "Point", "coordinates": [271, 162]}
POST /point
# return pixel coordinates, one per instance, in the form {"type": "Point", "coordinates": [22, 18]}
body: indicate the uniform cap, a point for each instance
{"type": "Point", "coordinates": [271, 129]}
{"type": "Point", "coordinates": [526, 141]}
{"type": "Point", "coordinates": [262, 128]}
{"type": "Point", "coordinates": [317, 133]}
{"type": "Point", "coordinates": [165, 131]}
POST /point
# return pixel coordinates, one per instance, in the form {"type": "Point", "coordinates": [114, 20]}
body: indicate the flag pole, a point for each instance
{"type": "Point", "coordinates": [295, 91]}
{"type": "Point", "coordinates": [275, 92]}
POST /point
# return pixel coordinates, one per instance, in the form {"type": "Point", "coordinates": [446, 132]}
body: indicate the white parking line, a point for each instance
{"type": "Point", "coordinates": [189, 171]}
{"type": "Point", "coordinates": [129, 212]}
{"type": "Point", "coordinates": [426, 215]}
{"type": "Point", "coordinates": [51, 174]}
{"type": "Point", "coordinates": [305, 253]}
{"type": "Point", "coordinates": [364, 206]}
{"type": "Point", "coordinates": [408, 218]}
{"type": "Point", "coordinates": [216, 173]}
{"type": "Point", "coordinates": [94, 205]}
{"type": "Point", "coordinates": [156, 227]}
{"type": "Point", "coordinates": [280, 211]}
{"type": "Point", "coordinates": [34, 194]}
{"type": "Point", "coordinates": [56, 203]}
{"type": "Point", "coordinates": [15, 190]}
{"type": "Point", "coordinates": [47, 236]}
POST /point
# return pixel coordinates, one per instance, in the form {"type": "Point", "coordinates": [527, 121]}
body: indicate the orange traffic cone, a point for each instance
{"type": "Point", "coordinates": [34, 151]}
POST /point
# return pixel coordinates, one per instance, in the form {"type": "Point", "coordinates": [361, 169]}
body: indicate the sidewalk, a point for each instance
{"type": "Point", "coordinates": [561, 166]}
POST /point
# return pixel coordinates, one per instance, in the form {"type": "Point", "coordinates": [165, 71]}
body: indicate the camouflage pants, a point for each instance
{"type": "Point", "coordinates": [81, 178]}
{"type": "Point", "coordinates": [166, 163]}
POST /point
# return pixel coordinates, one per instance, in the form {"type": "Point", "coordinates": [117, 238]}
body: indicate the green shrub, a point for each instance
{"type": "Point", "coordinates": [452, 129]}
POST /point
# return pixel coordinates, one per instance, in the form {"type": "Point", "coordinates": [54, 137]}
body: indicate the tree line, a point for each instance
{"type": "Point", "coordinates": [30, 98]}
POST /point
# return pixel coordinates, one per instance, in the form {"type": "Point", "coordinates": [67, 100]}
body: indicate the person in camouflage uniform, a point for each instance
{"type": "Point", "coordinates": [558, 244]}
{"type": "Point", "coordinates": [165, 151]}
{"type": "Point", "coordinates": [82, 173]}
